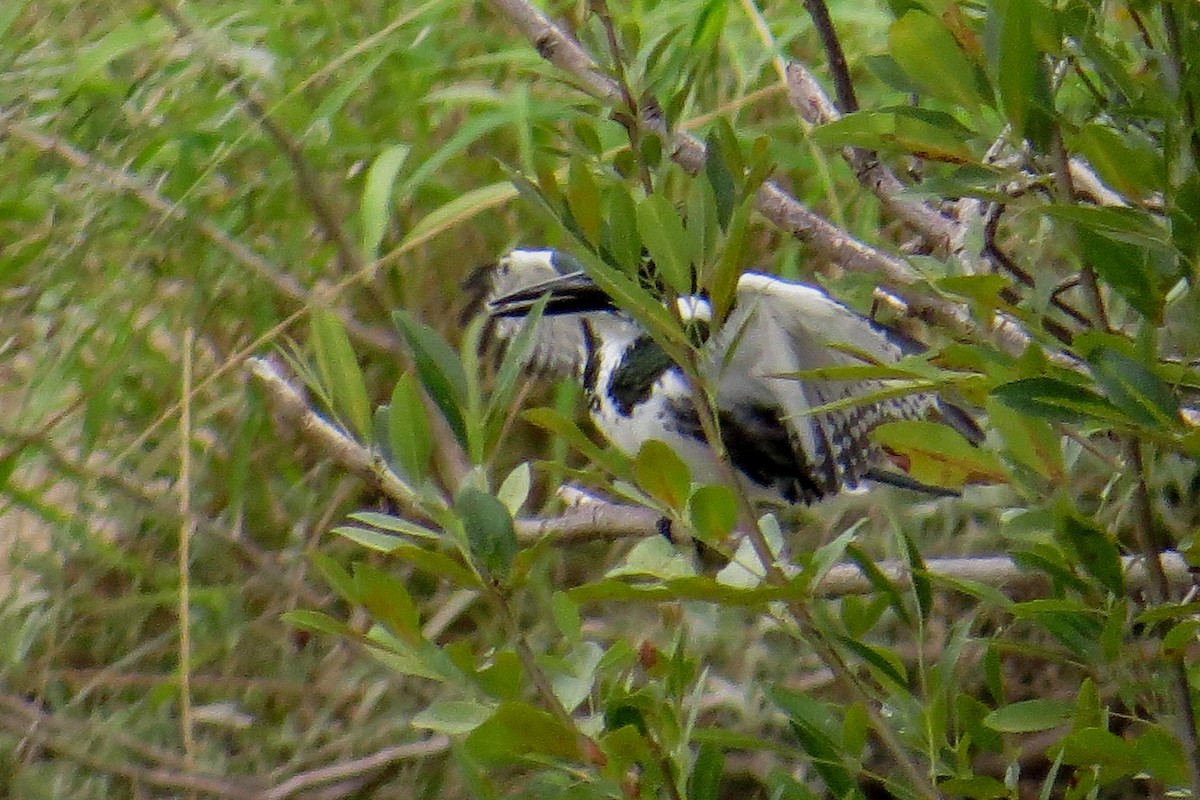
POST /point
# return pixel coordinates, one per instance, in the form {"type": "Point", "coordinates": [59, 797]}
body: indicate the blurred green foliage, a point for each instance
{"type": "Point", "coordinates": [319, 180]}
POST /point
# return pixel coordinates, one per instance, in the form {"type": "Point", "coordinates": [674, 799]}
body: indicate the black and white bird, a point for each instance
{"type": "Point", "coordinates": [776, 328]}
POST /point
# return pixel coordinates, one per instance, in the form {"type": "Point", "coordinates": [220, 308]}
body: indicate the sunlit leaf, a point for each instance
{"type": "Point", "coordinates": [927, 51]}
{"type": "Point", "coordinates": [1029, 716]}
{"type": "Point", "coordinates": [376, 204]}
{"type": "Point", "coordinates": [452, 717]}
{"type": "Point", "coordinates": [937, 454]}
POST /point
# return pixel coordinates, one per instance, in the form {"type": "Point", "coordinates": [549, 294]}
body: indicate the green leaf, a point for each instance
{"type": "Point", "coordinates": [1129, 250]}
{"type": "Point", "coordinates": [512, 368]}
{"type": "Point", "coordinates": [722, 162]}
{"type": "Point", "coordinates": [1096, 553]}
{"type": "Point", "coordinates": [936, 137]}
{"type": "Point", "coordinates": [702, 226]}
{"type": "Point", "coordinates": [662, 474]}
{"type": "Point", "coordinates": [583, 198]}
{"type": "Point", "coordinates": [411, 442]}
{"type": "Point", "coordinates": [722, 283]}
{"type": "Point", "coordinates": [662, 233]}
{"type": "Point", "coordinates": [1161, 754]}
{"type": "Point", "coordinates": [440, 370]}
{"type": "Point", "coordinates": [514, 491]}
{"type": "Point", "coordinates": [517, 732]}
{"type": "Point", "coordinates": [624, 242]}
{"type": "Point", "coordinates": [1021, 75]}
{"type": "Point", "coordinates": [376, 204]}
{"type": "Point", "coordinates": [929, 54]}
{"type": "Point", "coordinates": [937, 454]}
{"type": "Point", "coordinates": [712, 513]}
{"type": "Point", "coordinates": [489, 528]}
{"type": "Point", "coordinates": [566, 616]}
{"type": "Point", "coordinates": [452, 717]}
{"type": "Point", "coordinates": [388, 601]}
{"type": "Point", "coordinates": [371, 539]}
{"type": "Point", "coordinates": [1135, 389]}
{"type": "Point", "coordinates": [461, 208]}
{"type": "Point", "coordinates": [812, 723]}
{"type": "Point", "coordinates": [976, 787]}
{"type": "Point", "coordinates": [437, 564]}
{"type": "Point", "coordinates": [564, 428]}
{"type": "Point", "coordinates": [339, 371]}
{"type": "Point", "coordinates": [315, 621]}
{"type": "Point", "coordinates": [920, 576]}
{"type": "Point", "coordinates": [1059, 401]}
{"type": "Point", "coordinates": [338, 578]}
{"type": "Point", "coordinates": [1098, 747]}
{"type": "Point", "coordinates": [705, 781]}
{"type": "Point", "coordinates": [1128, 163]}
{"type": "Point", "coordinates": [880, 658]}
{"type": "Point", "coordinates": [1029, 716]}
{"type": "Point", "coordinates": [394, 524]}
{"type": "Point", "coordinates": [1031, 442]}
{"type": "Point", "coordinates": [879, 581]}
{"type": "Point", "coordinates": [503, 677]}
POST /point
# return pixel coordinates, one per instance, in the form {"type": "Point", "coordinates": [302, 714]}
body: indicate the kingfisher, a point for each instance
{"type": "Point", "coordinates": [776, 429]}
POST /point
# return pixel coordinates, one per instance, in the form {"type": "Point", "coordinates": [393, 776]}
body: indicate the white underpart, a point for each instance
{"type": "Point", "coordinates": [650, 419]}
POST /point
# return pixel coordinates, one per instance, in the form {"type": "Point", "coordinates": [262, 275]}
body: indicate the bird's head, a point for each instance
{"type": "Point", "coordinates": [576, 314]}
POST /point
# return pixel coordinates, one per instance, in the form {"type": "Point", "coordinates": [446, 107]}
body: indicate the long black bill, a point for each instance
{"type": "Point", "coordinates": [574, 293]}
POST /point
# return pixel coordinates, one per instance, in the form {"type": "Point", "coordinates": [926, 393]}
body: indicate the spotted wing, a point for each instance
{"type": "Point", "coordinates": [778, 328]}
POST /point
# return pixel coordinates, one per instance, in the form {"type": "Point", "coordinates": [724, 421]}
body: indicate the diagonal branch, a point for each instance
{"type": "Point", "coordinates": [778, 206]}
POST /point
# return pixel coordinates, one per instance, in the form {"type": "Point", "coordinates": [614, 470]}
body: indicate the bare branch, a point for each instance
{"type": "Point", "coordinates": [811, 102]}
{"type": "Point", "coordinates": [842, 84]}
{"type": "Point", "coordinates": [358, 767]}
{"type": "Point", "coordinates": [291, 407]}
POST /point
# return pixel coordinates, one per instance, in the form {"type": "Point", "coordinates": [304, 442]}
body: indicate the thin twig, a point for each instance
{"type": "Point", "coordinates": [434, 745]}
{"type": "Point", "coordinates": [843, 86]}
{"type": "Point", "coordinates": [289, 404]}
{"type": "Point", "coordinates": [186, 528]}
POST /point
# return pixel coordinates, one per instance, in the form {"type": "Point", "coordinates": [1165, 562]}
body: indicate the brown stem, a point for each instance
{"type": "Point", "coordinates": [843, 86]}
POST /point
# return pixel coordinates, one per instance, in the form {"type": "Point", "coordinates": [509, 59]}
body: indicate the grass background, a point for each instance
{"type": "Point", "coordinates": [151, 224]}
